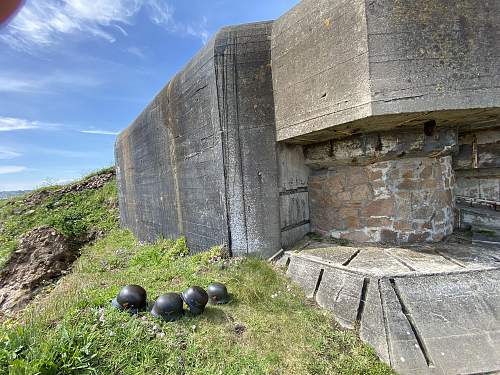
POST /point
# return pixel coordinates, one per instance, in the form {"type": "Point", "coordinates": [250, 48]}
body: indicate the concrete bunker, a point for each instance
{"type": "Point", "coordinates": [370, 121]}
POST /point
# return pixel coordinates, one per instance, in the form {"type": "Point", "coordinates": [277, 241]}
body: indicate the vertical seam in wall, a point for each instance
{"type": "Point", "coordinates": [362, 300]}
{"type": "Point", "coordinates": [222, 120]}
{"type": "Point", "coordinates": [173, 161]}
{"type": "Point", "coordinates": [234, 52]}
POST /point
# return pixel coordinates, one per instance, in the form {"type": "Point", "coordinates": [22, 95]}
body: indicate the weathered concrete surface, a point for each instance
{"type": "Point", "coordinates": [294, 194]}
{"type": "Point", "coordinates": [345, 67]}
{"type": "Point", "coordinates": [477, 166]}
{"type": "Point", "coordinates": [375, 147]}
{"type": "Point", "coordinates": [432, 309]}
{"type": "Point", "coordinates": [201, 160]}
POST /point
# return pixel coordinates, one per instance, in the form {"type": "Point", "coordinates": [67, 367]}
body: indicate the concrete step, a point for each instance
{"type": "Point", "coordinates": [469, 215]}
{"type": "Point", "coordinates": [426, 311]}
{"type": "Point", "coordinates": [486, 235]}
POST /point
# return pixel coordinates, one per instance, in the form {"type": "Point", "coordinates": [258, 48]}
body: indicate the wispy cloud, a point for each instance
{"type": "Point", "coordinates": [13, 82]}
{"type": "Point", "coordinates": [44, 23]}
{"type": "Point", "coordinates": [199, 31]}
{"type": "Point", "coordinates": [8, 169]}
{"type": "Point", "coordinates": [8, 124]}
{"type": "Point", "coordinates": [8, 154]}
{"type": "Point", "coordinates": [136, 51]}
{"type": "Point", "coordinates": [99, 132]}
{"type": "Point", "coordinates": [162, 14]}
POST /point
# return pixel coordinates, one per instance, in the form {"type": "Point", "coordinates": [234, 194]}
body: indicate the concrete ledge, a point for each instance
{"type": "Point", "coordinates": [420, 308]}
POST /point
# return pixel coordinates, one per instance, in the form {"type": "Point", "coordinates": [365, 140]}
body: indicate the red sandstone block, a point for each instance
{"type": "Point", "coordinates": [379, 222]}
{"type": "Point", "coordinates": [362, 193]}
{"type": "Point", "coordinates": [357, 176]}
{"type": "Point", "coordinates": [381, 207]}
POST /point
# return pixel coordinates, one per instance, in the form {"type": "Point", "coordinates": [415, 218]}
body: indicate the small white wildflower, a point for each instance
{"type": "Point", "coordinates": [112, 334]}
{"type": "Point", "coordinates": [193, 328]}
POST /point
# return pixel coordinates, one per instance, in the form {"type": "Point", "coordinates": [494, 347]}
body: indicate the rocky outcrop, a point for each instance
{"type": "Point", "coordinates": [91, 183]}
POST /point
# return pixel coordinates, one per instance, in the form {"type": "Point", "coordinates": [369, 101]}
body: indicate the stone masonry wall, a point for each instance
{"type": "Point", "coordinates": [397, 201]}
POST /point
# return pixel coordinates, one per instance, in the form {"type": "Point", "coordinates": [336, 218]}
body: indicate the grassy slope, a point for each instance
{"type": "Point", "coordinates": [72, 214]}
{"type": "Point", "coordinates": [74, 329]}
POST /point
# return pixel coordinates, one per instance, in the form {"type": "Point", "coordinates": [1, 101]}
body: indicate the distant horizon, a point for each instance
{"type": "Point", "coordinates": [74, 74]}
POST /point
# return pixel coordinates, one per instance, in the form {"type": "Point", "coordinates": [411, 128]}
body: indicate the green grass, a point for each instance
{"type": "Point", "coordinates": [75, 330]}
{"type": "Point", "coordinates": [268, 328]}
{"type": "Point", "coordinates": [73, 214]}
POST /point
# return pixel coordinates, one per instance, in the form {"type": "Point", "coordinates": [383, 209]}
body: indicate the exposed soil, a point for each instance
{"type": "Point", "coordinates": [43, 255]}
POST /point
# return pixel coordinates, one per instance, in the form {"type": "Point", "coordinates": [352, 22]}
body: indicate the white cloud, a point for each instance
{"type": "Point", "coordinates": [8, 124]}
{"type": "Point", "coordinates": [99, 132]}
{"type": "Point", "coordinates": [8, 154]}
{"type": "Point", "coordinates": [136, 51]}
{"type": "Point", "coordinates": [14, 83]}
{"type": "Point", "coordinates": [200, 31]}
{"type": "Point", "coordinates": [160, 12]}
{"type": "Point", "coordinates": [10, 84]}
{"type": "Point", "coordinates": [8, 169]}
{"type": "Point", "coordinates": [44, 23]}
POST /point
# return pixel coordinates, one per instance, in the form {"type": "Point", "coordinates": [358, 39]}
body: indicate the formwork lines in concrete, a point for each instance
{"type": "Point", "coordinates": [450, 259]}
{"type": "Point", "coordinates": [411, 322]}
{"type": "Point", "coordinates": [351, 258]}
{"type": "Point", "coordinates": [400, 261]}
{"type": "Point", "coordinates": [318, 283]}
{"type": "Point", "coordinates": [362, 300]}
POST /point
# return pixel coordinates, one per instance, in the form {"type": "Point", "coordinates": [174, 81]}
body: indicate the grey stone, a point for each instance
{"type": "Point", "coordinates": [372, 148]}
{"type": "Point", "coordinates": [340, 292]}
{"type": "Point", "coordinates": [434, 319]}
{"type": "Point", "coordinates": [345, 67]}
{"type": "Point", "coordinates": [372, 328]}
{"type": "Point", "coordinates": [201, 160]}
{"type": "Point", "coordinates": [305, 274]}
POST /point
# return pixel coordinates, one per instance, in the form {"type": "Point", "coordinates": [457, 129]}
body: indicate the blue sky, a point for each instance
{"type": "Point", "coordinates": [74, 73]}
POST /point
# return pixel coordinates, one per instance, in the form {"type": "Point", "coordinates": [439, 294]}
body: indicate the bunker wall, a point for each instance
{"type": "Point", "coordinates": [345, 67]}
{"type": "Point", "coordinates": [201, 160]}
{"type": "Point", "coordinates": [433, 55]}
{"type": "Point", "coordinates": [477, 166]}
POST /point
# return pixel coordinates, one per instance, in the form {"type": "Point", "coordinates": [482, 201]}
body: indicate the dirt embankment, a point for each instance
{"type": "Point", "coordinates": [43, 254]}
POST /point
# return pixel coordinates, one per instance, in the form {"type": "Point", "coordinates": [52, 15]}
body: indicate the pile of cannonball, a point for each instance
{"type": "Point", "coordinates": [170, 306]}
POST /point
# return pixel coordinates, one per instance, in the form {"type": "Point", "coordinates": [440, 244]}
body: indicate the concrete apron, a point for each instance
{"type": "Point", "coordinates": [432, 309]}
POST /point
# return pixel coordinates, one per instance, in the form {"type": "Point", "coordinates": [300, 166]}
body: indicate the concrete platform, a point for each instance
{"type": "Point", "coordinates": [428, 309]}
